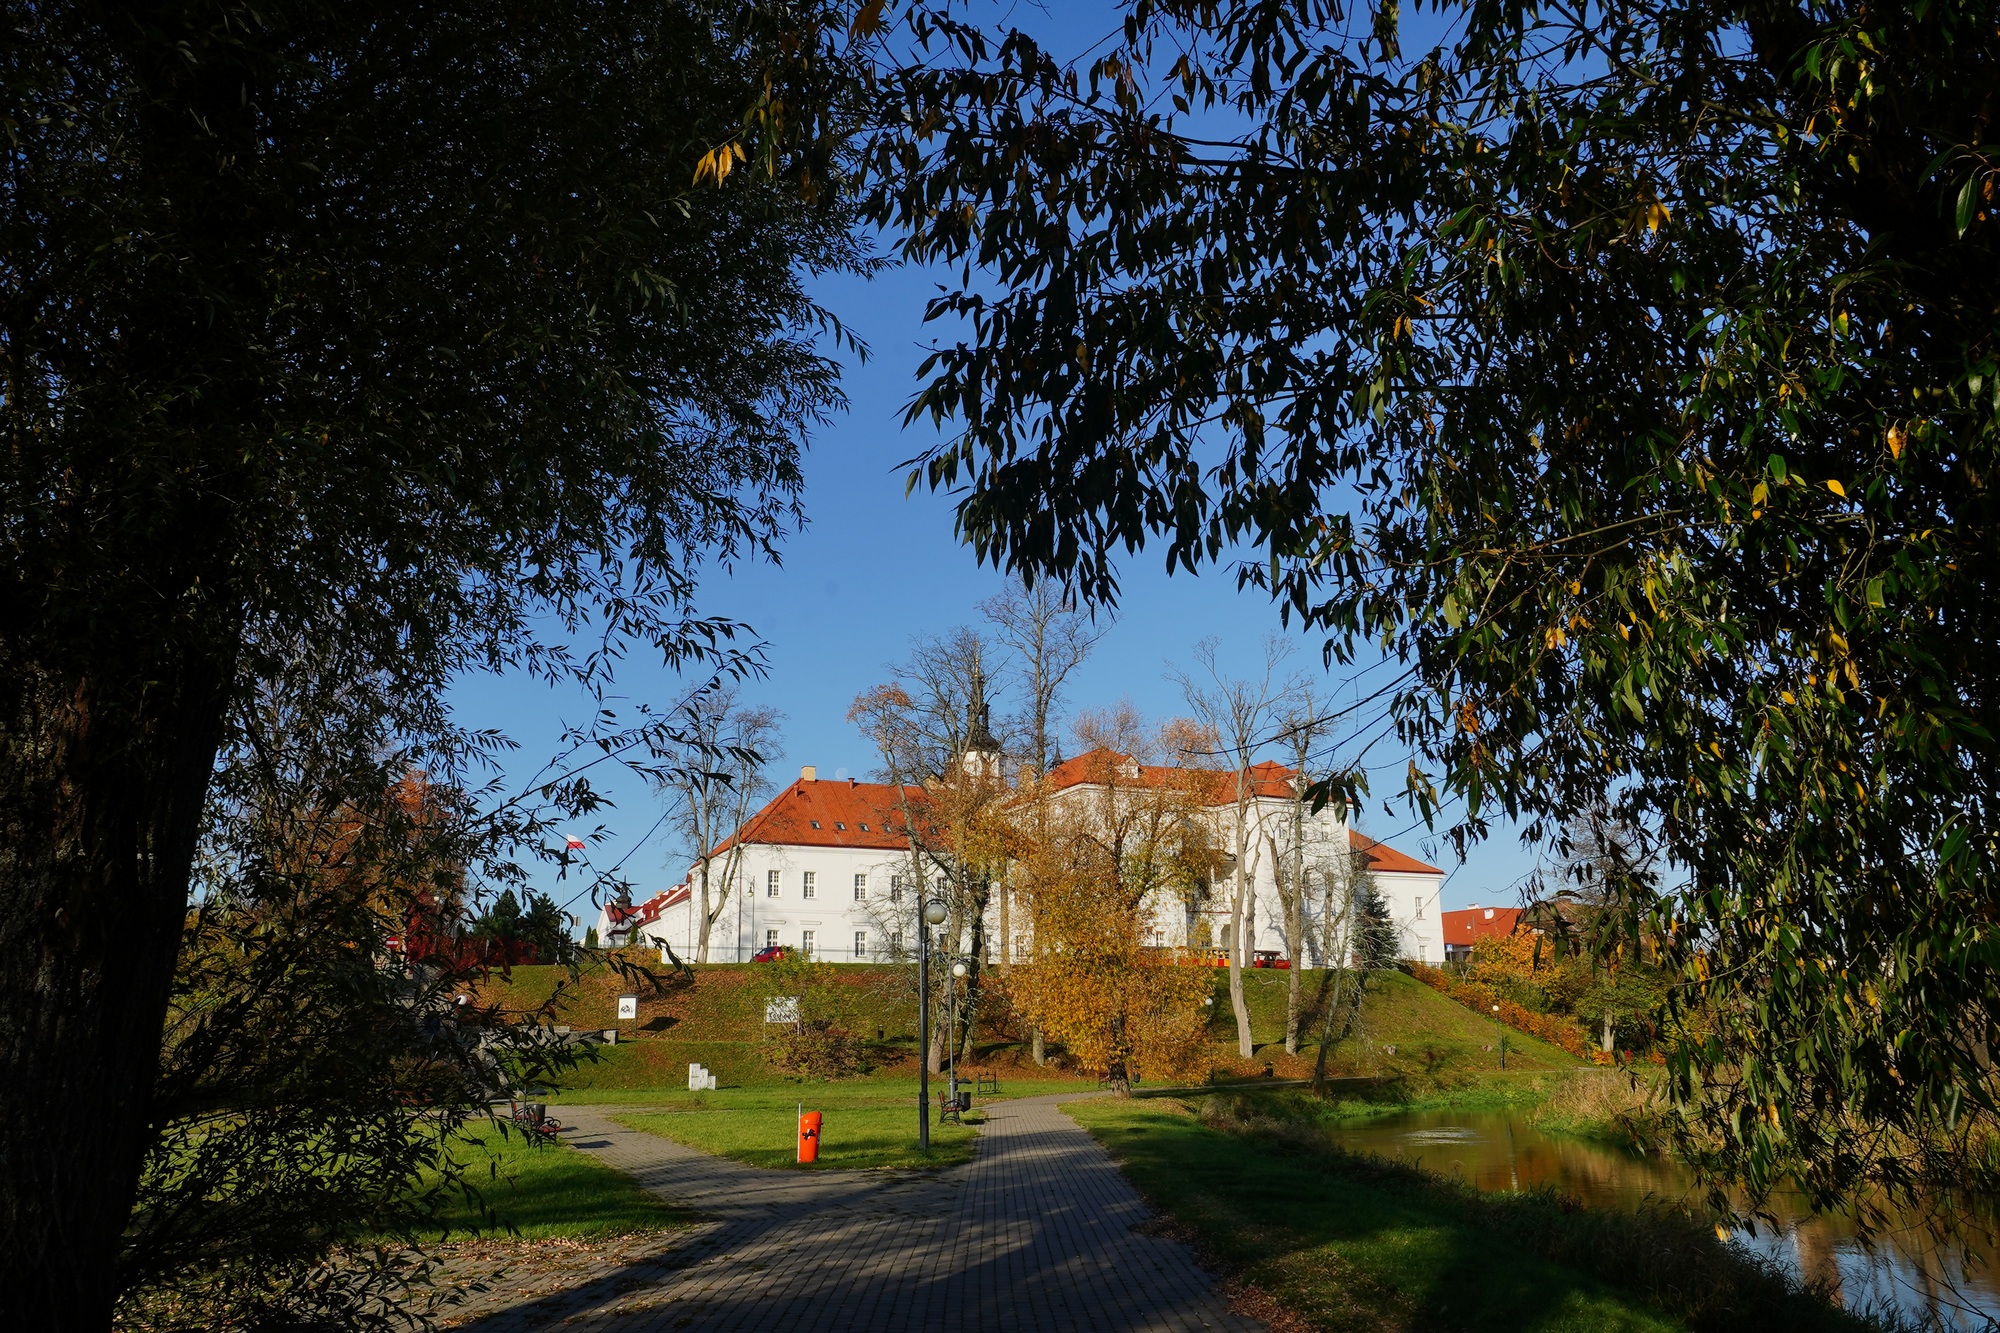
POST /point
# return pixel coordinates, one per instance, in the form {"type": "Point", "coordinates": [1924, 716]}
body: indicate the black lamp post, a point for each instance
{"type": "Point", "coordinates": [931, 914]}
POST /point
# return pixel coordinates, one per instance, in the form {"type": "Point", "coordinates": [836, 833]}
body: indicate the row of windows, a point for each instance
{"type": "Point", "coordinates": [809, 941]}
{"type": "Point", "coordinates": [809, 885]}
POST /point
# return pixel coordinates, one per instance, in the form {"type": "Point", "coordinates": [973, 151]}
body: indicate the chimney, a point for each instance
{"type": "Point", "coordinates": [808, 774]}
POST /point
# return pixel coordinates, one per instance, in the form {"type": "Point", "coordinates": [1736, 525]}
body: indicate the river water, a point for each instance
{"type": "Point", "coordinates": [1958, 1286]}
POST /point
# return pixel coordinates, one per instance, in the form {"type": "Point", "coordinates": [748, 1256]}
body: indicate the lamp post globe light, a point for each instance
{"type": "Point", "coordinates": [932, 914]}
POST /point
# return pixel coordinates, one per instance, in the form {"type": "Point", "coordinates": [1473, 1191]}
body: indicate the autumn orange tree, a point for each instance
{"type": "Point", "coordinates": [1098, 856]}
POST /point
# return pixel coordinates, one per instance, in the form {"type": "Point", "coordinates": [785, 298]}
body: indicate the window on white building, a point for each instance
{"type": "Point", "coordinates": [770, 939]}
{"type": "Point", "coordinates": [809, 885]}
{"type": "Point", "coordinates": [770, 884]}
{"type": "Point", "coordinates": [895, 941]}
{"type": "Point", "coordinates": [806, 938]}
{"type": "Point", "coordinates": [861, 888]}
{"type": "Point", "coordinates": [895, 888]}
{"type": "Point", "coordinates": [860, 944]}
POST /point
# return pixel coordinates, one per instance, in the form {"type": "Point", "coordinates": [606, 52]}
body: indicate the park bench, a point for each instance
{"type": "Point", "coordinates": [534, 1122]}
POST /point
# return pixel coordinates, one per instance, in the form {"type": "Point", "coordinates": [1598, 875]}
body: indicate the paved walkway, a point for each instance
{"type": "Point", "coordinates": [1037, 1232]}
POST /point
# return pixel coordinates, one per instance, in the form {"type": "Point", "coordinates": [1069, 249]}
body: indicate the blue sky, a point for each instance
{"type": "Point", "coordinates": [872, 570]}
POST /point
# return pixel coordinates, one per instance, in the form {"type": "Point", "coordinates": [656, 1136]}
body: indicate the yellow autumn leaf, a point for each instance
{"type": "Point", "coordinates": [1837, 488]}
{"type": "Point", "coordinates": [866, 19]}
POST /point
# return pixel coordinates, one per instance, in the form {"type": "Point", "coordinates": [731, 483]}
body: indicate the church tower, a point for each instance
{"type": "Point", "coordinates": [982, 753]}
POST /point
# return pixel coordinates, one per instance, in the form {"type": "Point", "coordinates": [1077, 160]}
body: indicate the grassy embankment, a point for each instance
{"type": "Point", "coordinates": [1436, 1053]}
{"type": "Point", "coordinates": [1405, 1031]}
{"type": "Point", "coordinates": [1336, 1242]}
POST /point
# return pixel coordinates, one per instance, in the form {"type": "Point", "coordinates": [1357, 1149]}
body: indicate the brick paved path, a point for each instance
{"type": "Point", "coordinates": [1036, 1233]}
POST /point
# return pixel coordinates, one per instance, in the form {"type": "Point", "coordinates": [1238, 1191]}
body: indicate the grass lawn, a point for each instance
{"type": "Point", "coordinates": [552, 1191]}
{"type": "Point", "coordinates": [1345, 1254]}
{"type": "Point", "coordinates": [852, 1137]}
{"type": "Point", "coordinates": [757, 1088]}
{"type": "Point", "coordinates": [869, 1123]}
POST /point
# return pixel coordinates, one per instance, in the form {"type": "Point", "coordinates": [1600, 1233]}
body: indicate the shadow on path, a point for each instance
{"type": "Point", "coordinates": [1037, 1232]}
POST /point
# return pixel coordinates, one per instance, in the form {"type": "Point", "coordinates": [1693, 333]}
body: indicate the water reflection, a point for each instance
{"type": "Point", "coordinates": [1905, 1268]}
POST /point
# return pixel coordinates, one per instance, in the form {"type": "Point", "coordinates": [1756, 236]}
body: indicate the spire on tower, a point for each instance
{"type": "Point", "coordinates": [982, 751]}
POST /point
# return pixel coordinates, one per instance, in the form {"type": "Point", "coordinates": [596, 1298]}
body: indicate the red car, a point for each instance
{"type": "Point", "coordinates": [773, 954]}
{"type": "Point", "coordinates": [1263, 958]}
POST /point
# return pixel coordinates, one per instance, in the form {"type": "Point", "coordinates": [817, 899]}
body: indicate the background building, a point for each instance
{"type": "Point", "coordinates": [1465, 928]}
{"type": "Point", "coordinates": [826, 867]}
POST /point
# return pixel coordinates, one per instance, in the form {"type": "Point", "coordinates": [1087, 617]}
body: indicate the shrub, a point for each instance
{"type": "Point", "coordinates": [1483, 999]}
{"type": "Point", "coordinates": [814, 1048]}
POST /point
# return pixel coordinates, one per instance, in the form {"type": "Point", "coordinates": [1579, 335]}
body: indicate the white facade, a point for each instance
{"type": "Point", "coordinates": [1410, 888]}
{"type": "Point", "coordinates": [818, 870]}
{"type": "Point", "coordinates": [842, 904]}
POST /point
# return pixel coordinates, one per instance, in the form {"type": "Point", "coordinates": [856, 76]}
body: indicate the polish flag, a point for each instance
{"type": "Point", "coordinates": [573, 843]}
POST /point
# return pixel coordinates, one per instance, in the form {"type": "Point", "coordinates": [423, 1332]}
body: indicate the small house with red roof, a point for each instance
{"type": "Point", "coordinates": [1464, 929]}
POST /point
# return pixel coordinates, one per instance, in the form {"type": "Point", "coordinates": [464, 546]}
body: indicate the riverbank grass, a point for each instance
{"type": "Point", "coordinates": [1352, 1245]}
{"type": "Point", "coordinates": [1341, 1255]}
{"type": "Point", "coordinates": [547, 1192]}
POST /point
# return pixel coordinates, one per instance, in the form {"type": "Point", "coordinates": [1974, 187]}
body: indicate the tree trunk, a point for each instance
{"type": "Point", "coordinates": [1006, 931]}
{"type": "Point", "coordinates": [941, 1033]}
{"type": "Point", "coordinates": [707, 920]}
{"type": "Point", "coordinates": [974, 962]}
{"type": "Point", "coordinates": [103, 775]}
{"type": "Point", "coordinates": [1337, 1003]}
{"type": "Point", "coordinates": [1606, 1032]}
{"type": "Point", "coordinates": [1041, 1055]}
{"type": "Point", "coordinates": [1292, 1005]}
{"type": "Point", "coordinates": [1245, 1047]}
{"type": "Point", "coordinates": [1238, 953]}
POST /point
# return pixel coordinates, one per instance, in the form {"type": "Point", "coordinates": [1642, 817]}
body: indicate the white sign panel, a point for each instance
{"type": "Point", "coordinates": [628, 1006]}
{"type": "Point", "coordinates": [781, 1009]}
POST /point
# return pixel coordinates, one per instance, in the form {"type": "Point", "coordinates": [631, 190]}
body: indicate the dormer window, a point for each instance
{"type": "Point", "coordinates": [842, 827]}
{"type": "Point", "coordinates": [815, 823]}
{"type": "Point", "coordinates": [864, 828]}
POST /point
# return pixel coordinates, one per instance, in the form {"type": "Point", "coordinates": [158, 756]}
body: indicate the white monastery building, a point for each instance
{"type": "Point", "coordinates": [826, 868]}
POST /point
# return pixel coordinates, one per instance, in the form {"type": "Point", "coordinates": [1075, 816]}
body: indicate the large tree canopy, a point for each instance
{"type": "Point", "coordinates": [1629, 371]}
{"type": "Point", "coordinates": [345, 343]}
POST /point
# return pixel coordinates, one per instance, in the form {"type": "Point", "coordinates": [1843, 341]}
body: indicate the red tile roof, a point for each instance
{"type": "Point", "coordinates": [1474, 923]}
{"type": "Point", "coordinates": [1381, 856]}
{"type": "Point", "coordinates": [646, 913]}
{"type": "Point", "coordinates": [836, 813]}
{"type": "Point", "coordinates": [1101, 767]}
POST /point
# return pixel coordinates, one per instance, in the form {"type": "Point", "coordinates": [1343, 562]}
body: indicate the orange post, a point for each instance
{"type": "Point", "coordinates": [809, 1136]}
